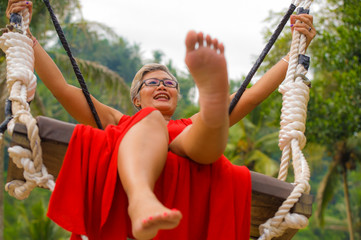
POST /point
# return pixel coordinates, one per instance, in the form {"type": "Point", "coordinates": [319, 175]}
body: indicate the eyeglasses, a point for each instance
{"type": "Point", "coordinates": [155, 82]}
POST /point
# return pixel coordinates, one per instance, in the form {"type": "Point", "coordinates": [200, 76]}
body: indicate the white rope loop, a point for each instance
{"type": "Point", "coordinates": [20, 61]}
{"type": "Point", "coordinates": [21, 83]}
{"type": "Point", "coordinates": [292, 139]}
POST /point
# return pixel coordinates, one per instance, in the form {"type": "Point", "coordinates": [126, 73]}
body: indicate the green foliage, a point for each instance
{"type": "Point", "coordinates": [254, 142]}
{"type": "Point", "coordinates": [336, 89]}
{"type": "Point", "coordinates": [334, 114]}
{"type": "Point", "coordinates": [96, 42]}
{"type": "Point", "coordinates": [27, 219]}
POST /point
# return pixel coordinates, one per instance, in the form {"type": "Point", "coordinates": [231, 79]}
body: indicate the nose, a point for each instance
{"type": "Point", "coordinates": [161, 85]}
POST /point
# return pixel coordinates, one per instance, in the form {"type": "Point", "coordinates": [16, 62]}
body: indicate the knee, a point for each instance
{"type": "Point", "coordinates": [156, 120]}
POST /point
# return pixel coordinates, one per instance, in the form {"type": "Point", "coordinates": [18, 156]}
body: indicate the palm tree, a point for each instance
{"type": "Point", "coordinates": [344, 160]}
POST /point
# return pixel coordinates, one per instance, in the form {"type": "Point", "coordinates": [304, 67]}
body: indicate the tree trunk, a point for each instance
{"type": "Point", "coordinates": [347, 201]}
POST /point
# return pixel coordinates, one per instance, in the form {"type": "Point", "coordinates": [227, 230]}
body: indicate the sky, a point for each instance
{"type": "Point", "coordinates": [163, 25]}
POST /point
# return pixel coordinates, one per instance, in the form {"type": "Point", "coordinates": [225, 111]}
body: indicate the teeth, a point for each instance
{"type": "Point", "coordinates": [161, 96]}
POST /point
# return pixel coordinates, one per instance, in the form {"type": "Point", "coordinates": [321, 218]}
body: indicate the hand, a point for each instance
{"type": "Point", "coordinates": [304, 26]}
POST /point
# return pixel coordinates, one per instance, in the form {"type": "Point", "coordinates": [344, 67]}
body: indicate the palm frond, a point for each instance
{"type": "Point", "coordinates": [326, 190]}
{"type": "Point", "coordinates": [268, 140]}
{"type": "Point", "coordinates": [262, 163]}
{"type": "Point", "coordinates": [100, 77]}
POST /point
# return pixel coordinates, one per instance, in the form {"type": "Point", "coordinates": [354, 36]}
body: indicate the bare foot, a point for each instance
{"type": "Point", "coordinates": [148, 216]}
{"type": "Point", "coordinates": [207, 64]}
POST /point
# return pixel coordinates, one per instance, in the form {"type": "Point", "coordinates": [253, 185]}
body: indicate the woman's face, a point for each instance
{"type": "Point", "coordinates": [160, 97]}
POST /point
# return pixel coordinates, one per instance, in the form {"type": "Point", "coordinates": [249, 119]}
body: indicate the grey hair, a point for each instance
{"type": "Point", "coordinates": [138, 78]}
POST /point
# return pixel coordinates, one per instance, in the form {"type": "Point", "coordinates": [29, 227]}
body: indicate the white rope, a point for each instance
{"type": "Point", "coordinates": [292, 139]}
{"type": "Point", "coordinates": [21, 84]}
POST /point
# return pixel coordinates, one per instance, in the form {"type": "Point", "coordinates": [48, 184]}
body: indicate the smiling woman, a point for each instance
{"type": "Point", "coordinates": [148, 173]}
{"type": "Point", "coordinates": [150, 70]}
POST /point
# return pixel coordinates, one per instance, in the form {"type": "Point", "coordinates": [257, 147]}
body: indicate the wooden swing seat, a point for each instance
{"type": "Point", "coordinates": [267, 193]}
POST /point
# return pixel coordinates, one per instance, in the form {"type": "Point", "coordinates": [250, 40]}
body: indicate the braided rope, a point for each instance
{"type": "Point", "coordinates": [292, 140]}
{"type": "Point", "coordinates": [21, 84]}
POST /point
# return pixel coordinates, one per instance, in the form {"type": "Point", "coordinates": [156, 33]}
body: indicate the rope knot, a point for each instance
{"type": "Point", "coordinates": [21, 84]}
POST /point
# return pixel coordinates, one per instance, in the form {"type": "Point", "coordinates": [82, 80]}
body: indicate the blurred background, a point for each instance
{"type": "Point", "coordinates": [113, 39]}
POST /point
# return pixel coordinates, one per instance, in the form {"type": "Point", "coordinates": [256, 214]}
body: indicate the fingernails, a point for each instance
{"type": "Point", "coordinates": [165, 214]}
{"type": "Point", "coordinates": [291, 25]}
{"type": "Point", "coordinates": [27, 2]}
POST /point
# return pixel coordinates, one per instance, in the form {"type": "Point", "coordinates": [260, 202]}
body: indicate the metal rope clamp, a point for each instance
{"type": "Point", "coordinates": [8, 116]}
{"type": "Point", "coordinates": [15, 24]}
{"type": "Point", "coordinates": [305, 79]}
{"type": "Point", "coordinates": [305, 62]}
{"type": "Point", "coordinates": [302, 10]}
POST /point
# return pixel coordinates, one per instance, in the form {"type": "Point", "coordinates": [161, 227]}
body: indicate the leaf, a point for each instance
{"type": "Point", "coordinates": [262, 163]}
{"type": "Point", "coordinates": [326, 190]}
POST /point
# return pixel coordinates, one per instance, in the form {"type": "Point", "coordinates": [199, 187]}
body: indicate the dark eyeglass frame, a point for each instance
{"type": "Point", "coordinates": [159, 81]}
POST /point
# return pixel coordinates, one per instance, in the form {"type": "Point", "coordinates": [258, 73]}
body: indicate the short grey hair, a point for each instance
{"type": "Point", "coordinates": [138, 78]}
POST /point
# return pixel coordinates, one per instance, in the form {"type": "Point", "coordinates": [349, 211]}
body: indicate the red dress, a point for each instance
{"type": "Point", "coordinates": [88, 199]}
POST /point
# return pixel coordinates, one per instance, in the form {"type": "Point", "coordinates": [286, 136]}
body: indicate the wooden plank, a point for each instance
{"type": "Point", "coordinates": [267, 193]}
{"type": "Point", "coordinates": [267, 196]}
{"type": "Point", "coordinates": [55, 136]}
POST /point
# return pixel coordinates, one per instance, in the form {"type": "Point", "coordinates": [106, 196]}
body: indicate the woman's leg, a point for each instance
{"type": "Point", "coordinates": [141, 158]}
{"type": "Point", "coordinates": [205, 140]}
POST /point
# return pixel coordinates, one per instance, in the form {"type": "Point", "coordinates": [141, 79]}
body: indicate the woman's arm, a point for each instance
{"type": "Point", "coordinates": [269, 82]}
{"type": "Point", "coordinates": [70, 97]}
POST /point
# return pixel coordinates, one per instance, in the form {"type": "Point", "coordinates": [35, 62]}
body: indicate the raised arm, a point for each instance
{"type": "Point", "coordinates": [269, 82]}
{"type": "Point", "coordinates": [71, 97]}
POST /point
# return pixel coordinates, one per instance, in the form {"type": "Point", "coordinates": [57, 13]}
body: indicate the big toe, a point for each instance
{"type": "Point", "coordinates": [191, 40]}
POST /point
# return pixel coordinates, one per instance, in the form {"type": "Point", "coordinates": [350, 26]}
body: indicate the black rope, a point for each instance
{"type": "Point", "coordinates": [8, 116]}
{"type": "Point", "coordinates": [261, 57]}
{"type": "Point", "coordinates": [77, 72]}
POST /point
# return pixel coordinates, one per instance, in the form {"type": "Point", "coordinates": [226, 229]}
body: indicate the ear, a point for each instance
{"type": "Point", "coordinates": [136, 102]}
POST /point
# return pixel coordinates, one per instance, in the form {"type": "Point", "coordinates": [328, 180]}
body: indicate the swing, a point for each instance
{"type": "Point", "coordinates": [268, 193]}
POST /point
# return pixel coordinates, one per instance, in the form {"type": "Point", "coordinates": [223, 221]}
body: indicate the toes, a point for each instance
{"type": "Point", "coordinates": [194, 38]}
{"type": "Point", "coordinates": [221, 48]}
{"type": "Point", "coordinates": [191, 40]}
{"type": "Point", "coordinates": [200, 38]}
{"type": "Point", "coordinates": [215, 44]}
{"type": "Point", "coordinates": [209, 41]}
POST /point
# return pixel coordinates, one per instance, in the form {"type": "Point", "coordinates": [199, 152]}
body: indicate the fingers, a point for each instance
{"type": "Point", "coordinates": [15, 6]}
{"type": "Point", "coordinates": [303, 23]}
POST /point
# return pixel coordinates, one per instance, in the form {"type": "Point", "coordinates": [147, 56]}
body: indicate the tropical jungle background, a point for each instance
{"type": "Point", "coordinates": [109, 63]}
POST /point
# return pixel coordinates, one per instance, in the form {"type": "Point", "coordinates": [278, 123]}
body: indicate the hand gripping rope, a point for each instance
{"type": "Point", "coordinates": [21, 85]}
{"type": "Point", "coordinates": [295, 90]}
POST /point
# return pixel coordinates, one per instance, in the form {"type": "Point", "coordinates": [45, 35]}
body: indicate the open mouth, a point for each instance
{"type": "Point", "coordinates": [161, 96]}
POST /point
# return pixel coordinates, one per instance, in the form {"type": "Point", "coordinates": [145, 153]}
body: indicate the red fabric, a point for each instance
{"type": "Point", "coordinates": [89, 199]}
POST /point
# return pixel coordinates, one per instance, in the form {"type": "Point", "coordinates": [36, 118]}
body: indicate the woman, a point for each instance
{"type": "Point", "coordinates": [198, 142]}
